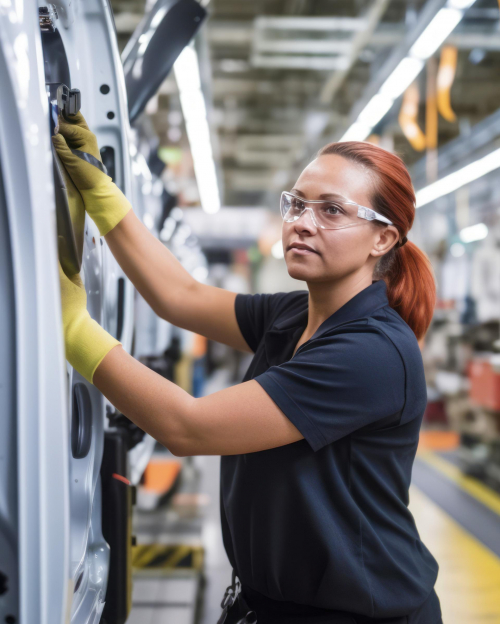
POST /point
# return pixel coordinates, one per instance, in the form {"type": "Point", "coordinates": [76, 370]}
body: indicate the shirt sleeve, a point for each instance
{"type": "Point", "coordinates": [255, 313]}
{"type": "Point", "coordinates": [338, 384]}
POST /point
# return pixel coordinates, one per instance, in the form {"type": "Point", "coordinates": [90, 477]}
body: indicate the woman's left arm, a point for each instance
{"type": "Point", "coordinates": [239, 419]}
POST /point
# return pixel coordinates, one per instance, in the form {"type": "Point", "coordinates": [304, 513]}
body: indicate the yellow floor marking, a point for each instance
{"type": "Point", "coordinates": [468, 582]}
{"type": "Point", "coordinates": [166, 556]}
{"type": "Point", "coordinates": [475, 488]}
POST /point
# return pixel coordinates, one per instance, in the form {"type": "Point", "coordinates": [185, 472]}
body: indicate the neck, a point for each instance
{"type": "Point", "coordinates": [326, 298]}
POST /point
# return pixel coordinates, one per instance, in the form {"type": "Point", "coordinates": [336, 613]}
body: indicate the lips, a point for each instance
{"type": "Point", "coordinates": [301, 247]}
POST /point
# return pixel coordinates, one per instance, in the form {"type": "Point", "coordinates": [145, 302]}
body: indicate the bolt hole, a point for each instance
{"type": "Point", "coordinates": [105, 89]}
{"type": "Point", "coordinates": [110, 115]}
{"type": "Point", "coordinates": [10, 619]}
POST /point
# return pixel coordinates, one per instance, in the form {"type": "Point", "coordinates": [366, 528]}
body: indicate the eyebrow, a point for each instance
{"type": "Point", "coordinates": [323, 196]}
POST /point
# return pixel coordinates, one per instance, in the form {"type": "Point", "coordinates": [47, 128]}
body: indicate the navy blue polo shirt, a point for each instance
{"type": "Point", "coordinates": [324, 522]}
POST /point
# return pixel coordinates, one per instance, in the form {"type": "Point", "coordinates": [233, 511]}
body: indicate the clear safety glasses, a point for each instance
{"type": "Point", "coordinates": [328, 214]}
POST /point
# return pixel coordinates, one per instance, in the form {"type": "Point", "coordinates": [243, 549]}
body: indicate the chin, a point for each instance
{"type": "Point", "coordinates": [300, 273]}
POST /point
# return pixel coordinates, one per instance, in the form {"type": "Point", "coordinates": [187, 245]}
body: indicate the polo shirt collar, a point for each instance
{"type": "Point", "coordinates": [288, 331]}
{"type": "Point", "coordinates": [361, 305]}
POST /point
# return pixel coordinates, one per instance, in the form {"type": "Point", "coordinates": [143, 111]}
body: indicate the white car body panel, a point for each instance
{"type": "Point", "coordinates": [34, 500]}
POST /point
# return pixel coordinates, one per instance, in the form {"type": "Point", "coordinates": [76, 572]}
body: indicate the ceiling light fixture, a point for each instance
{"type": "Point", "coordinates": [459, 178]}
{"type": "Point", "coordinates": [402, 77]}
{"type": "Point", "coordinates": [474, 233]}
{"type": "Point", "coordinates": [376, 108]}
{"type": "Point", "coordinates": [438, 29]}
{"type": "Point", "coordinates": [187, 75]}
{"type": "Point", "coordinates": [443, 23]}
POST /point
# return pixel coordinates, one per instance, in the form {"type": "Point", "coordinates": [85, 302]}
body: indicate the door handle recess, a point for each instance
{"type": "Point", "coordinates": [81, 422]}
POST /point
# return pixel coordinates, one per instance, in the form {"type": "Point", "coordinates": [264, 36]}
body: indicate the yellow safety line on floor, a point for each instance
{"type": "Point", "coordinates": [472, 486]}
{"type": "Point", "coordinates": [158, 556]}
{"type": "Point", "coordinates": [468, 582]}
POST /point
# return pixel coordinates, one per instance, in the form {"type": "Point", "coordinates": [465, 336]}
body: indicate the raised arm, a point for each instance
{"type": "Point", "coordinates": [169, 289]}
{"type": "Point", "coordinates": [160, 278]}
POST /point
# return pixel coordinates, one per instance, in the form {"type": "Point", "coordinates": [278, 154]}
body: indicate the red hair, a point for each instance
{"type": "Point", "coordinates": [406, 269]}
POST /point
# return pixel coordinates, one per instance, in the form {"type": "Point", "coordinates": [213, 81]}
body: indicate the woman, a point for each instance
{"type": "Point", "coordinates": [318, 442]}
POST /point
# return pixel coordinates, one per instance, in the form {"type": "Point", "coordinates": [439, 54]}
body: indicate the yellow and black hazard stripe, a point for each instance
{"type": "Point", "coordinates": [171, 556]}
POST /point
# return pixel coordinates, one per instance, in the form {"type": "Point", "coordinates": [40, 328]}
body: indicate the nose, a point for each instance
{"type": "Point", "coordinates": [308, 224]}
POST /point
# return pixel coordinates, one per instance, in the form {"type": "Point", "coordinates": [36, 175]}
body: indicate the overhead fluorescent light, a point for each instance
{"type": "Point", "coordinates": [474, 233]}
{"type": "Point", "coordinates": [376, 108]}
{"type": "Point", "coordinates": [187, 76]}
{"type": "Point", "coordinates": [459, 178]}
{"type": "Point", "coordinates": [462, 5]}
{"type": "Point", "coordinates": [357, 132]}
{"type": "Point", "coordinates": [443, 23]}
{"type": "Point", "coordinates": [438, 29]}
{"type": "Point", "coordinates": [402, 77]}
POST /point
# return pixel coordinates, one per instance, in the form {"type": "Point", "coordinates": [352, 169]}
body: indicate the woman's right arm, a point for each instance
{"type": "Point", "coordinates": [169, 289]}
{"type": "Point", "coordinates": [160, 278]}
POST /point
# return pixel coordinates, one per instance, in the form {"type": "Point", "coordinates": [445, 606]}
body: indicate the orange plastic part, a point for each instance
{"type": "Point", "coordinates": [484, 384]}
{"type": "Point", "coordinates": [160, 475]}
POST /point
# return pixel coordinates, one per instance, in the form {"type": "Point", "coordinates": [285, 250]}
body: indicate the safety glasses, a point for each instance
{"type": "Point", "coordinates": [328, 214]}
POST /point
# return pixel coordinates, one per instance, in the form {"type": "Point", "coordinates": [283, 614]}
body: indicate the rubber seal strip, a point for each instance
{"type": "Point", "coordinates": [90, 159]}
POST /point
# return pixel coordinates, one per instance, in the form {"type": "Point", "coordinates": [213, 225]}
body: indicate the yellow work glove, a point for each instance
{"type": "Point", "coordinates": [86, 342]}
{"type": "Point", "coordinates": [103, 200]}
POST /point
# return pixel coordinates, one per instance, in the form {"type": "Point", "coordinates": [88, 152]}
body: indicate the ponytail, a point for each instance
{"type": "Point", "coordinates": [406, 269]}
{"type": "Point", "coordinates": [411, 288]}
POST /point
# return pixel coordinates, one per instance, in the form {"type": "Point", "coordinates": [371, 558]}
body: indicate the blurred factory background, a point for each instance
{"type": "Point", "coordinates": [281, 78]}
{"type": "Point", "coordinates": [261, 86]}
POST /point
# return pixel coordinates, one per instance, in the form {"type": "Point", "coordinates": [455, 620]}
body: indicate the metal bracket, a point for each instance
{"type": "Point", "coordinates": [47, 16]}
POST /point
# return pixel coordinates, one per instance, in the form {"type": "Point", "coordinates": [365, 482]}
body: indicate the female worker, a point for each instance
{"type": "Point", "coordinates": [318, 442]}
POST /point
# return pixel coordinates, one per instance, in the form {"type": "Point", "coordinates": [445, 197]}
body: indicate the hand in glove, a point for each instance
{"type": "Point", "coordinates": [86, 342]}
{"type": "Point", "coordinates": [103, 200]}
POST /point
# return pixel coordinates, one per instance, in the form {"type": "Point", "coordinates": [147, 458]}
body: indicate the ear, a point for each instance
{"type": "Point", "coordinates": [385, 240]}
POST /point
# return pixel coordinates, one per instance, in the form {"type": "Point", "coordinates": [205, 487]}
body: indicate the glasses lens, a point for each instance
{"type": "Point", "coordinates": [336, 214]}
{"type": "Point", "coordinates": [329, 214]}
{"type": "Point", "coordinates": [291, 207]}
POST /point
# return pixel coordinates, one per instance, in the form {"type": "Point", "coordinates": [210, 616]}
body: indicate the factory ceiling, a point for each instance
{"type": "Point", "coordinates": [283, 77]}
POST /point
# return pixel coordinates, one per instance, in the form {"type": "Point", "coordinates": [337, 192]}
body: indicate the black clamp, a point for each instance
{"type": "Point", "coordinates": [69, 101]}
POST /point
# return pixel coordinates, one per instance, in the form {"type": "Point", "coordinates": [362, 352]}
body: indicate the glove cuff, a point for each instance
{"type": "Point", "coordinates": [90, 343]}
{"type": "Point", "coordinates": [106, 205]}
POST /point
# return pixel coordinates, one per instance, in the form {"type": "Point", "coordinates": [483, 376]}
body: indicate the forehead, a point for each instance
{"type": "Point", "coordinates": [332, 174]}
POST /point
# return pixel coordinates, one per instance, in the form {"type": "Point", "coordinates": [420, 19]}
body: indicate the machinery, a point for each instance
{"type": "Point", "coordinates": [462, 354]}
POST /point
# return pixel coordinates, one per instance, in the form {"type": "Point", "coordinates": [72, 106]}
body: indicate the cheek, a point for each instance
{"type": "Point", "coordinates": [347, 247]}
{"type": "Point", "coordinates": [286, 230]}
